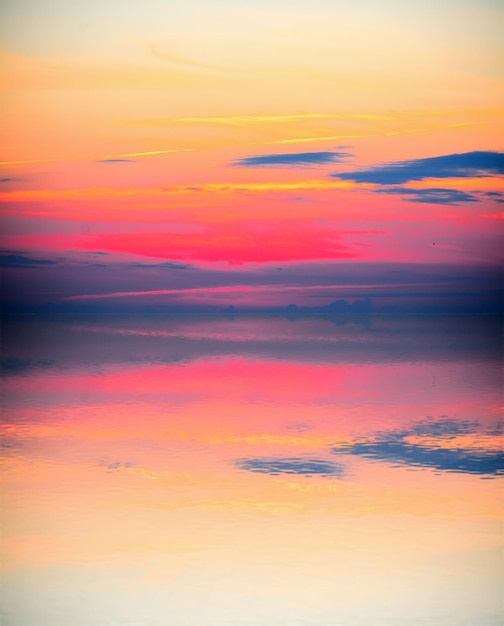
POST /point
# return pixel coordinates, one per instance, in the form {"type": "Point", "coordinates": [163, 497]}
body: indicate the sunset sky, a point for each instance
{"type": "Point", "coordinates": [159, 154]}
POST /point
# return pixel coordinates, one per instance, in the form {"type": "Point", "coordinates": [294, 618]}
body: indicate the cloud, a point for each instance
{"type": "Point", "coordinates": [111, 159]}
{"type": "Point", "coordinates": [311, 285]}
{"type": "Point", "coordinates": [496, 196]}
{"type": "Point", "coordinates": [296, 159]}
{"type": "Point", "coordinates": [338, 305]}
{"type": "Point", "coordinates": [299, 466]}
{"type": "Point", "coordinates": [18, 260]}
{"type": "Point", "coordinates": [172, 57]}
{"type": "Point", "coordinates": [115, 465]}
{"type": "Point", "coordinates": [466, 165]}
{"type": "Point", "coordinates": [168, 265]}
{"type": "Point", "coordinates": [12, 366]}
{"type": "Point", "coordinates": [432, 195]}
{"type": "Point", "coordinates": [10, 180]}
{"type": "Point", "coordinates": [45, 195]}
{"type": "Point", "coordinates": [396, 446]}
{"type": "Point", "coordinates": [115, 161]}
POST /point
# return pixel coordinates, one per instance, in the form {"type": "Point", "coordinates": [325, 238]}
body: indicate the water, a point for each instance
{"type": "Point", "coordinates": [161, 471]}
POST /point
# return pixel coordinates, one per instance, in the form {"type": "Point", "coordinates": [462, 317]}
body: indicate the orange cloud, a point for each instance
{"type": "Point", "coordinates": [225, 188]}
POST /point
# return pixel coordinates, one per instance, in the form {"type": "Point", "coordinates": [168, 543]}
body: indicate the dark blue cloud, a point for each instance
{"type": "Point", "coordinates": [393, 446]}
{"type": "Point", "coordinates": [280, 465]}
{"type": "Point", "coordinates": [466, 165]}
{"type": "Point", "coordinates": [115, 161]}
{"type": "Point", "coordinates": [496, 196]}
{"type": "Point", "coordinates": [18, 260]}
{"type": "Point", "coordinates": [13, 365]}
{"type": "Point", "coordinates": [432, 195]}
{"type": "Point", "coordinates": [297, 159]}
{"type": "Point", "coordinates": [10, 180]}
{"type": "Point", "coordinates": [169, 265]}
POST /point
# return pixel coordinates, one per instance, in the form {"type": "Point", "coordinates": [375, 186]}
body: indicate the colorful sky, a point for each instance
{"type": "Point", "coordinates": [167, 154]}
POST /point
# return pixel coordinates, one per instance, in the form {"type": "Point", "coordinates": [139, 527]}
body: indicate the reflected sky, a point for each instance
{"type": "Point", "coordinates": [443, 444]}
{"type": "Point", "coordinates": [299, 466]}
{"type": "Point", "coordinates": [278, 471]}
{"type": "Point", "coordinates": [87, 341]}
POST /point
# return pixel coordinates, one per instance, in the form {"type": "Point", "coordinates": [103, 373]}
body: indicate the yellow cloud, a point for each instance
{"type": "Point", "coordinates": [67, 194]}
{"type": "Point", "coordinates": [96, 158]}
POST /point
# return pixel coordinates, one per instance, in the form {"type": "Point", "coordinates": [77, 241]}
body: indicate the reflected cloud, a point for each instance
{"type": "Point", "coordinates": [300, 427]}
{"type": "Point", "coordinates": [73, 342]}
{"type": "Point", "coordinates": [292, 465]}
{"type": "Point", "coordinates": [443, 428]}
{"type": "Point", "coordinates": [438, 450]}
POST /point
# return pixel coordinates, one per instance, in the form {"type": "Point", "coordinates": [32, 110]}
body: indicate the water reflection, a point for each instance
{"type": "Point", "coordinates": [276, 466]}
{"type": "Point", "coordinates": [205, 471]}
{"type": "Point", "coordinates": [447, 445]}
{"type": "Point", "coordinates": [86, 341]}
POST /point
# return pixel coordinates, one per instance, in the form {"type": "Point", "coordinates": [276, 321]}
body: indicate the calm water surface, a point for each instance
{"type": "Point", "coordinates": [252, 472]}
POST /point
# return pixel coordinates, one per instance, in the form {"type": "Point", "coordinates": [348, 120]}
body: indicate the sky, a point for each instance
{"type": "Point", "coordinates": [257, 155]}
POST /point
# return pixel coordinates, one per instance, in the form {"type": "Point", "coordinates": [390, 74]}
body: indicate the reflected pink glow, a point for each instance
{"type": "Point", "coordinates": [253, 396]}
